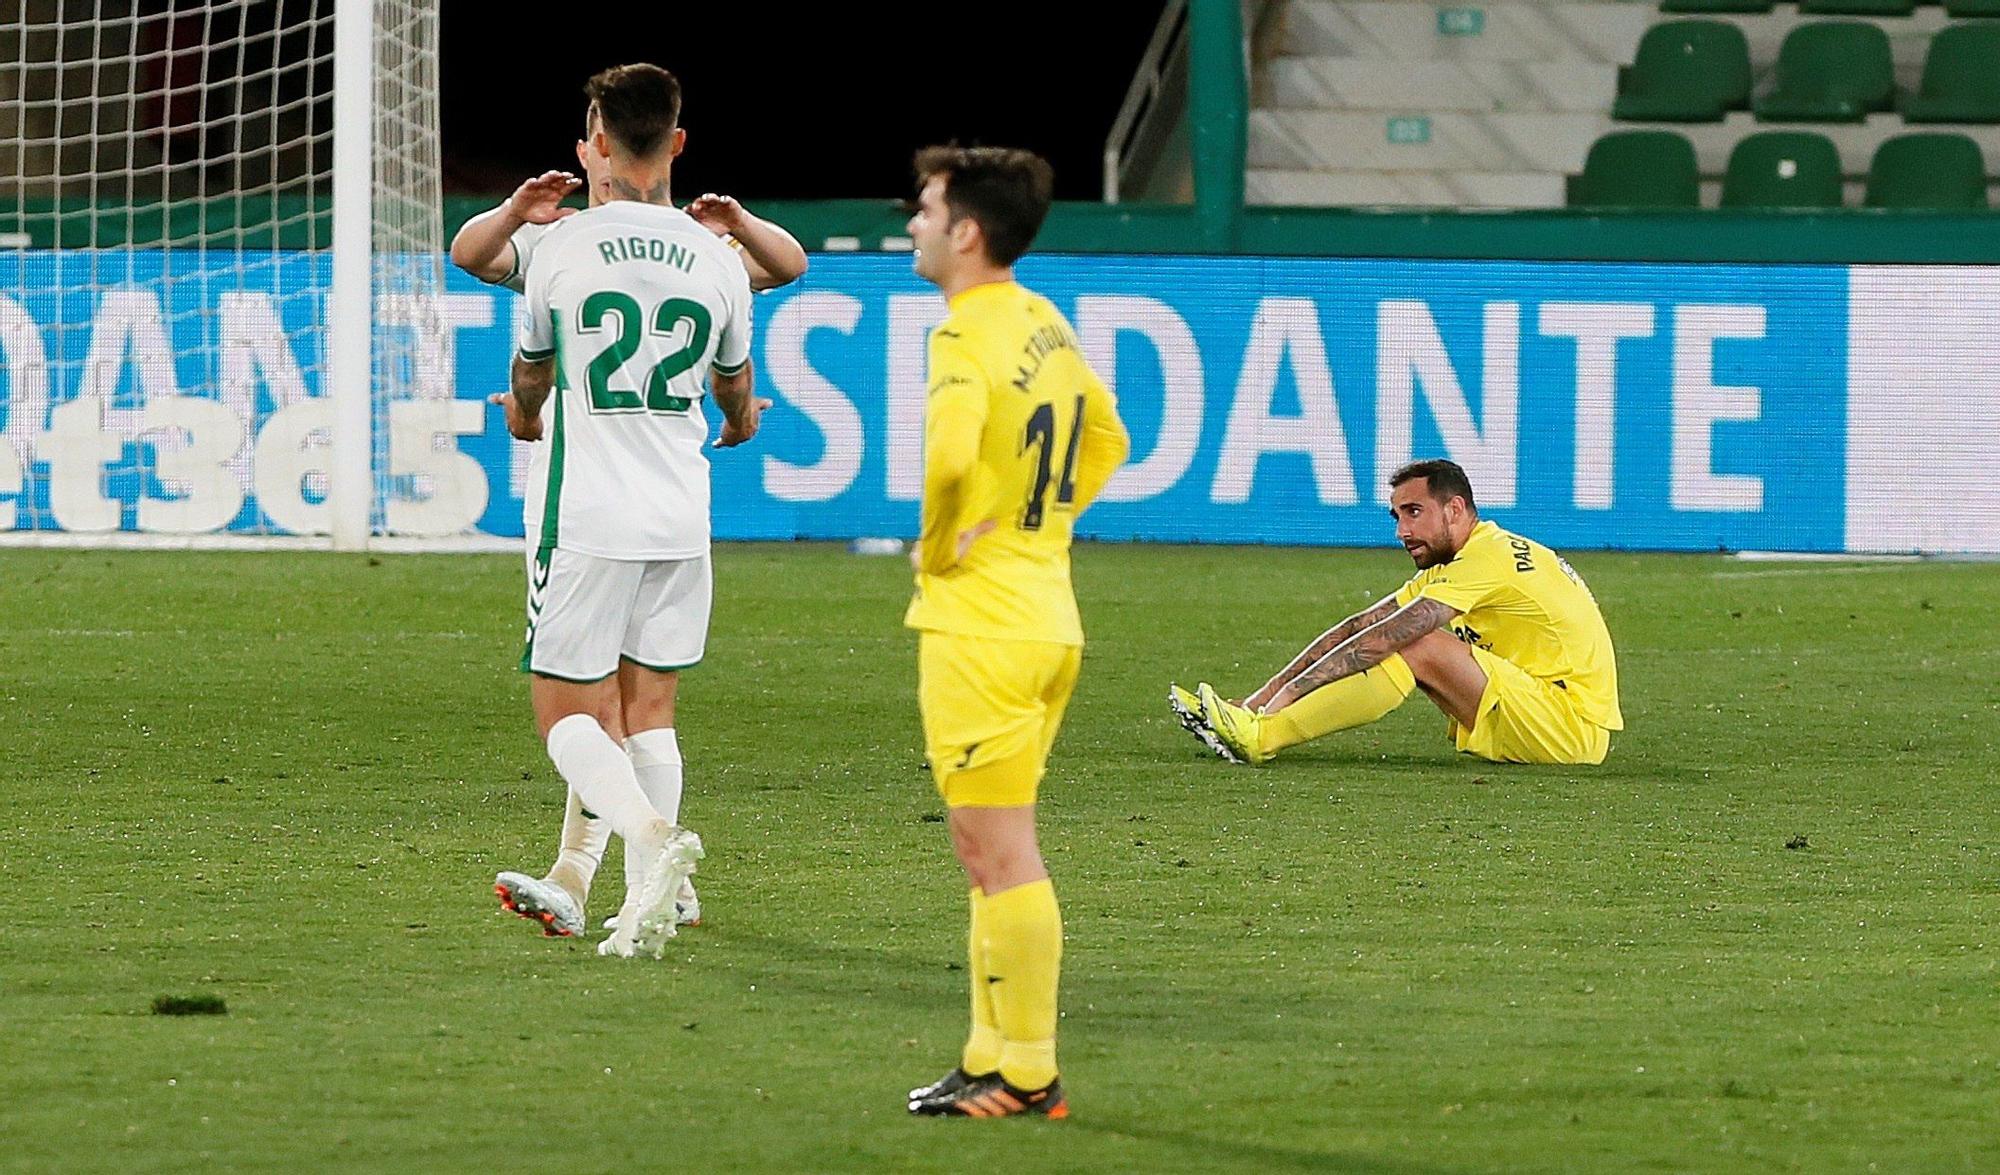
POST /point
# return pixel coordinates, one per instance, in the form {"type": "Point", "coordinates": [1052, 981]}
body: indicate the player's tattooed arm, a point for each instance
{"type": "Point", "coordinates": [1367, 648]}
{"type": "Point", "coordinates": [1325, 643]}
{"type": "Point", "coordinates": [532, 380]}
{"type": "Point", "coordinates": [742, 408]}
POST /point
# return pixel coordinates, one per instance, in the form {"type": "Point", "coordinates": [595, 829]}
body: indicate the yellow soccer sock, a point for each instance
{"type": "Point", "coordinates": [1022, 929]}
{"type": "Point", "coordinates": [1349, 702]}
{"type": "Point", "coordinates": [982, 1048]}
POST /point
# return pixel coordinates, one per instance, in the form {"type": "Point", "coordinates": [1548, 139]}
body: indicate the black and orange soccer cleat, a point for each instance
{"type": "Point", "coordinates": [951, 1082]}
{"type": "Point", "coordinates": [962, 1096]}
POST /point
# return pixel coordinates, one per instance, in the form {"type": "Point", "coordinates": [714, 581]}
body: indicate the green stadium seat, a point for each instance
{"type": "Point", "coordinates": [1962, 9]}
{"type": "Point", "coordinates": [1637, 169]}
{"type": "Point", "coordinates": [1930, 170]}
{"type": "Point", "coordinates": [1831, 71]}
{"type": "Point", "coordinates": [1961, 77]}
{"type": "Point", "coordinates": [1704, 7]}
{"type": "Point", "coordinates": [1686, 71]}
{"type": "Point", "coordinates": [1857, 7]}
{"type": "Point", "coordinates": [1782, 169]}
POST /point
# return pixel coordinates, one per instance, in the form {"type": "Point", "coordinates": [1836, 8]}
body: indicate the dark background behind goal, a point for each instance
{"type": "Point", "coordinates": [785, 102]}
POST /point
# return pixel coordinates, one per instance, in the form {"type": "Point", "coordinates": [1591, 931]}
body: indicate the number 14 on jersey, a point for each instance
{"type": "Point", "coordinates": [1041, 434]}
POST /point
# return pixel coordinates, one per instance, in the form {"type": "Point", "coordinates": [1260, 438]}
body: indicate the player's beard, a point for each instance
{"type": "Point", "coordinates": [1429, 555]}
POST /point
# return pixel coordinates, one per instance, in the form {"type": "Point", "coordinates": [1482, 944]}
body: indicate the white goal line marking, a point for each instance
{"type": "Point", "coordinates": [1851, 569]}
{"type": "Point", "coordinates": [379, 545]}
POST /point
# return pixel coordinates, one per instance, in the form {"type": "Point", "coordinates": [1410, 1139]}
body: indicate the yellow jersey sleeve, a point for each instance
{"type": "Point", "coordinates": [1461, 585]}
{"type": "Point", "coordinates": [955, 412]}
{"type": "Point", "coordinates": [1103, 444]}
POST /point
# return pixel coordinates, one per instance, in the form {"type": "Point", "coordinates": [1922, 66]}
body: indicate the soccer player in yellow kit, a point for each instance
{"type": "Point", "coordinates": [1019, 437]}
{"type": "Point", "coordinates": [1496, 629]}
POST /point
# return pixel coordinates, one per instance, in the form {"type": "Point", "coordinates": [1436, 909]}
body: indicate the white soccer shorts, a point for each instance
{"type": "Point", "coordinates": [584, 613]}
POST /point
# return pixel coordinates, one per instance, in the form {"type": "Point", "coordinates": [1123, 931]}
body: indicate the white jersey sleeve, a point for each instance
{"type": "Point", "coordinates": [524, 241]}
{"type": "Point", "coordinates": [732, 351]}
{"type": "Point", "coordinates": [535, 330]}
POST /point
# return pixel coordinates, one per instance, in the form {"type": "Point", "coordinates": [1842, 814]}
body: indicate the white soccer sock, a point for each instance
{"type": "Point", "coordinates": [601, 774]}
{"type": "Point", "coordinates": [656, 759]}
{"type": "Point", "coordinates": [584, 837]}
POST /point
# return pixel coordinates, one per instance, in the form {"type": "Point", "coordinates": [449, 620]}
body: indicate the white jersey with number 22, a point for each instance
{"type": "Point", "coordinates": [635, 303]}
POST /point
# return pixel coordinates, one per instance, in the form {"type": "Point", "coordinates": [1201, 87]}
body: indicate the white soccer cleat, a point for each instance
{"type": "Point", "coordinates": [540, 900]}
{"type": "Point", "coordinates": [647, 920]}
{"type": "Point", "coordinates": [618, 945]}
{"type": "Point", "coordinates": [687, 908]}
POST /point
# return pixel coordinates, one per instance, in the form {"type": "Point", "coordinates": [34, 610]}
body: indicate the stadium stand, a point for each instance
{"type": "Point", "coordinates": [1717, 6]}
{"type": "Point", "coordinates": [1395, 102]}
{"type": "Point", "coordinates": [1638, 169]}
{"type": "Point", "coordinates": [1961, 81]}
{"type": "Point", "coordinates": [1782, 169]}
{"type": "Point", "coordinates": [1686, 71]}
{"type": "Point", "coordinates": [1927, 170]}
{"type": "Point", "coordinates": [1857, 7]}
{"type": "Point", "coordinates": [1831, 71]}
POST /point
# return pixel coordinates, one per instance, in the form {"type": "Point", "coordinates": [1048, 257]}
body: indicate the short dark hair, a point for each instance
{"type": "Point", "coordinates": [638, 105]}
{"type": "Point", "coordinates": [1004, 190]}
{"type": "Point", "coordinates": [1444, 479]}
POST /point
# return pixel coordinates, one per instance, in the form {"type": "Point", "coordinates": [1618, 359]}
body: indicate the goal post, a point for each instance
{"type": "Point", "coordinates": [221, 266]}
{"type": "Point", "coordinates": [349, 318]}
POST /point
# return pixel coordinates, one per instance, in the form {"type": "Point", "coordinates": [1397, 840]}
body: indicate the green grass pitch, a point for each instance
{"type": "Point", "coordinates": [1763, 937]}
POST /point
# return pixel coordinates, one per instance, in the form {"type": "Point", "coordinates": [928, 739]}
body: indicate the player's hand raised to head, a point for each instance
{"type": "Point", "coordinates": [721, 215]}
{"type": "Point", "coordinates": [539, 201]}
{"type": "Point", "coordinates": [522, 426]}
{"type": "Point", "coordinates": [735, 432]}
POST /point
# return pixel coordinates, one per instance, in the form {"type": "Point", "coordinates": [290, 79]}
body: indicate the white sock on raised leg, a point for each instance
{"type": "Point", "coordinates": [602, 776]}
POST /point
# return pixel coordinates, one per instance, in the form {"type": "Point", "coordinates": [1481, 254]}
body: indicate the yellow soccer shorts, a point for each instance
{"type": "Point", "coordinates": [991, 709]}
{"type": "Point", "coordinates": [1523, 719]}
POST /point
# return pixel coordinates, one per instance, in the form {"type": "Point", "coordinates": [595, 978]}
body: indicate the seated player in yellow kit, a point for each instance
{"type": "Point", "coordinates": [1496, 629]}
{"type": "Point", "coordinates": [1019, 436]}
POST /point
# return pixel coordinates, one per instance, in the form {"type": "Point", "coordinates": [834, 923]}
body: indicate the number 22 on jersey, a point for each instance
{"type": "Point", "coordinates": [633, 325]}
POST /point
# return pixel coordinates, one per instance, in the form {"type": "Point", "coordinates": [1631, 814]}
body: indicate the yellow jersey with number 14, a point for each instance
{"type": "Point", "coordinates": [1519, 600]}
{"type": "Point", "coordinates": [1019, 433]}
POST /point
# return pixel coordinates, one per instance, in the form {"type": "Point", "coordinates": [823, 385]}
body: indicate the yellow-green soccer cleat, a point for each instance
{"type": "Point", "coordinates": [1236, 728]}
{"type": "Point", "coordinates": [1187, 709]}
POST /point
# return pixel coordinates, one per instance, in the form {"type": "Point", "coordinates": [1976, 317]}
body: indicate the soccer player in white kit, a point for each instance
{"type": "Point", "coordinates": [498, 247]}
{"type": "Point", "coordinates": [628, 306]}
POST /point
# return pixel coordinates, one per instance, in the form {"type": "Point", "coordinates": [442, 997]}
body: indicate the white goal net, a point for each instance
{"type": "Point", "coordinates": [220, 272]}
